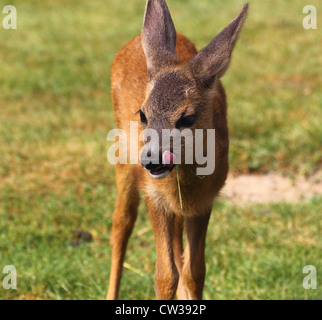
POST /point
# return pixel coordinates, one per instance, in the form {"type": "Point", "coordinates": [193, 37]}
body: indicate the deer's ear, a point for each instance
{"type": "Point", "coordinates": [159, 36]}
{"type": "Point", "coordinates": [213, 61]}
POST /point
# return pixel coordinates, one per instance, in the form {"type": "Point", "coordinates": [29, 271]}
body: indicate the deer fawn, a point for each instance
{"type": "Point", "coordinates": [160, 80]}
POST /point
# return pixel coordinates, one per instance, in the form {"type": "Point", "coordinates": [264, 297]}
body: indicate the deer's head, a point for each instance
{"type": "Point", "coordinates": [179, 95]}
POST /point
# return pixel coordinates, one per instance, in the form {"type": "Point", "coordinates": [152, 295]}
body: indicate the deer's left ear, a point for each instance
{"type": "Point", "coordinates": [159, 36]}
{"type": "Point", "coordinates": [213, 60]}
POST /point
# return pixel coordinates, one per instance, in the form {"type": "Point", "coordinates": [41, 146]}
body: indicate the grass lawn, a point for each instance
{"type": "Point", "coordinates": [55, 113]}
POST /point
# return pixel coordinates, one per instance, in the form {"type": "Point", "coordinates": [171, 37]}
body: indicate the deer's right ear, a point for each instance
{"type": "Point", "coordinates": [213, 61]}
{"type": "Point", "coordinates": [159, 36]}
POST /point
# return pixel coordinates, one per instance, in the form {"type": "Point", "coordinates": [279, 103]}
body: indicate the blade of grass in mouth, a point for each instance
{"type": "Point", "coordinates": [180, 198]}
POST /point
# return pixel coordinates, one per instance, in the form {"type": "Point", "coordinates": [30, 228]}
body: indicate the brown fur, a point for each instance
{"type": "Point", "coordinates": [165, 93]}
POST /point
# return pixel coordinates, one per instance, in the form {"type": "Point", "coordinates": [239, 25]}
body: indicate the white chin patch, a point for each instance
{"type": "Point", "coordinates": [161, 175]}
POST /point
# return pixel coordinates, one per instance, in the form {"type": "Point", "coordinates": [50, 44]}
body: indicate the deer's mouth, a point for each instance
{"type": "Point", "coordinates": [161, 172]}
{"type": "Point", "coordinates": [163, 168]}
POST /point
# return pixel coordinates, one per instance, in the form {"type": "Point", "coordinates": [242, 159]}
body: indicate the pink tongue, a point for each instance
{"type": "Point", "coordinates": [168, 158]}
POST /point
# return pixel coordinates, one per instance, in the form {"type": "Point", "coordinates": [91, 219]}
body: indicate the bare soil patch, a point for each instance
{"type": "Point", "coordinates": [271, 188]}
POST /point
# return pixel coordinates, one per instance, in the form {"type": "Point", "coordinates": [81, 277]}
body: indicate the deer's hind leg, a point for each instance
{"type": "Point", "coordinates": [124, 217]}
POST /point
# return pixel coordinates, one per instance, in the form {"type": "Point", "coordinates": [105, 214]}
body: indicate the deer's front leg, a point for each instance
{"type": "Point", "coordinates": [194, 268]}
{"type": "Point", "coordinates": [166, 273]}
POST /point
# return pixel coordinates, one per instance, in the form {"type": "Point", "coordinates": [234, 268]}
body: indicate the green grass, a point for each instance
{"type": "Point", "coordinates": [54, 177]}
{"type": "Point", "coordinates": [254, 252]}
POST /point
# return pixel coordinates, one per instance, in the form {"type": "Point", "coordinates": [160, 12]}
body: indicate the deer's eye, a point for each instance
{"type": "Point", "coordinates": [143, 117]}
{"type": "Point", "coordinates": [186, 122]}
